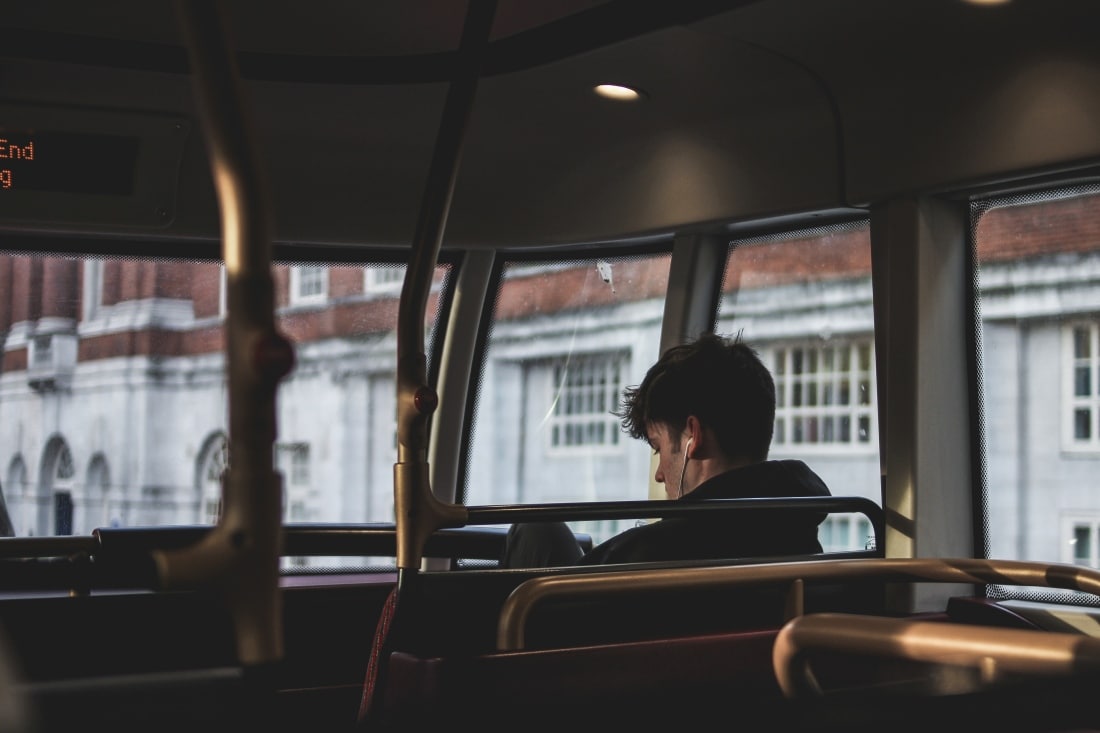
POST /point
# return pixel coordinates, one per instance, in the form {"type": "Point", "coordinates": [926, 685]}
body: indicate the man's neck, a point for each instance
{"type": "Point", "coordinates": [707, 468]}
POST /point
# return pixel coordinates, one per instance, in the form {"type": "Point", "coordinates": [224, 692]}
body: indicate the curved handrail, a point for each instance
{"type": "Point", "coordinates": [241, 556]}
{"type": "Point", "coordinates": [530, 594]}
{"type": "Point", "coordinates": [567, 511]}
{"type": "Point", "coordinates": [991, 651]}
{"type": "Point", "coordinates": [377, 538]}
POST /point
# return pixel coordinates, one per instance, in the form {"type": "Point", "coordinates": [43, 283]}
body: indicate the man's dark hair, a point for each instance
{"type": "Point", "coordinates": [721, 381]}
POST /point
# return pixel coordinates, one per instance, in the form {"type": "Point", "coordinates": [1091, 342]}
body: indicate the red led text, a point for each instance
{"type": "Point", "coordinates": [13, 151]}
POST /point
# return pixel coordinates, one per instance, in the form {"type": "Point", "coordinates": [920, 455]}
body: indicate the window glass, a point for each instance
{"type": "Point", "coordinates": [567, 337]}
{"type": "Point", "coordinates": [584, 392]}
{"type": "Point", "coordinates": [1082, 538]}
{"type": "Point", "coordinates": [308, 283]}
{"type": "Point", "coordinates": [824, 395]}
{"type": "Point", "coordinates": [135, 390]}
{"type": "Point", "coordinates": [802, 299]}
{"type": "Point", "coordinates": [1038, 284]}
{"type": "Point", "coordinates": [384, 279]}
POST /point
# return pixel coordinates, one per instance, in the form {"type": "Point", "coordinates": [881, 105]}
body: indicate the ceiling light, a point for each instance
{"type": "Point", "coordinates": [618, 92]}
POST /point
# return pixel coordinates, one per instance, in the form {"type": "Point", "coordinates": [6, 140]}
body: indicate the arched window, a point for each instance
{"type": "Point", "coordinates": [56, 487]}
{"type": "Point", "coordinates": [64, 471]}
{"type": "Point", "coordinates": [99, 498]}
{"type": "Point", "coordinates": [213, 460]}
{"type": "Point", "coordinates": [17, 491]}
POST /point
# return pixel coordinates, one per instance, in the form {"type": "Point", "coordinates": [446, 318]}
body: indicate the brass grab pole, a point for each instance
{"type": "Point", "coordinates": [240, 556]}
{"type": "Point", "coordinates": [419, 512]}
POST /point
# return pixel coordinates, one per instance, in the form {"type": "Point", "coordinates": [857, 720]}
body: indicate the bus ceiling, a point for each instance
{"type": "Point", "coordinates": [748, 111]}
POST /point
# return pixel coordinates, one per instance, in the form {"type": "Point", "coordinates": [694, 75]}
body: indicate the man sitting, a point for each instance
{"type": "Point", "coordinates": [707, 408]}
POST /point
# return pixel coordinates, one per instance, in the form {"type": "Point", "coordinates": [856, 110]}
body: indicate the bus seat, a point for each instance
{"type": "Point", "coordinates": [436, 603]}
{"type": "Point", "coordinates": [986, 612]}
{"type": "Point", "coordinates": [642, 678]}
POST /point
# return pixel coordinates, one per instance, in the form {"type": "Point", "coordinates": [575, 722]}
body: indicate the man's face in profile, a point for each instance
{"type": "Point", "coordinates": [668, 445]}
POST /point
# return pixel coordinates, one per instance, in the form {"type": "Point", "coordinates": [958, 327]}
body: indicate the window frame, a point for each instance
{"type": "Point", "coordinates": [615, 359]}
{"type": "Point", "coordinates": [373, 285]}
{"type": "Point", "coordinates": [295, 296]}
{"type": "Point", "coordinates": [785, 413]}
{"type": "Point", "coordinates": [1070, 521]}
{"type": "Point", "coordinates": [91, 305]}
{"type": "Point", "coordinates": [1071, 402]}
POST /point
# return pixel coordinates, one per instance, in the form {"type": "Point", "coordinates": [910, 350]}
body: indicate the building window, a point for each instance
{"type": "Point", "coordinates": [1079, 539]}
{"type": "Point", "coordinates": [824, 395]}
{"type": "Point", "coordinates": [19, 490]}
{"type": "Point", "coordinates": [41, 350]}
{"type": "Point", "coordinates": [293, 460]}
{"type": "Point", "coordinates": [64, 470]}
{"type": "Point", "coordinates": [586, 390]}
{"type": "Point", "coordinates": [846, 532]}
{"type": "Point", "coordinates": [384, 279]}
{"type": "Point", "coordinates": [63, 512]}
{"type": "Point", "coordinates": [96, 485]}
{"type": "Point", "coordinates": [92, 299]}
{"type": "Point", "coordinates": [215, 461]}
{"type": "Point", "coordinates": [1082, 400]}
{"type": "Point", "coordinates": [308, 284]}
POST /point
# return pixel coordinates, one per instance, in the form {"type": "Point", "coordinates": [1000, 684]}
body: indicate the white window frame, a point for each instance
{"type": "Point", "coordinates": [294, 463]}
{"type": "Point", "coordinates": [308, 275]}
{"type": "Point", "coordinates": [93, 289]}
{"type": "Point", "coordinates": [299, 501]}
{"type": "Point", "coordinates": [583, 409]}
{"type": "Point", "coordinates": [1072, 403]}
{"type": "Point", "coordinates": [383, 279]}
{"type": "Point", "coordinates": [1089, 521]}
{"type": "Point", "coordinates": [818, 393]}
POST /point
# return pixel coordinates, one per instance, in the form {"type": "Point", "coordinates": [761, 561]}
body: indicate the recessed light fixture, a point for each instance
{"type": "Point", "coordinates": [987, 2]}
{"type": "Point", "coordinates": [618, 92]}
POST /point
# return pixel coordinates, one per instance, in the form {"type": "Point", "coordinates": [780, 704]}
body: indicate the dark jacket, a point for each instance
{"type": "Point", "coordinates": [750, 533]}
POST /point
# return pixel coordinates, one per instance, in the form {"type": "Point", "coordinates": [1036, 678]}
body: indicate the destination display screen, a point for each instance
{"type": "Point", "coordinates": [67, 162]}
{"type": "Point", "coordinates": [90, 169]}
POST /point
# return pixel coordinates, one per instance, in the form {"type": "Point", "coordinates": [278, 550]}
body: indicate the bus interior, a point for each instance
{"type": "Point", "coordinates": [304, 304]}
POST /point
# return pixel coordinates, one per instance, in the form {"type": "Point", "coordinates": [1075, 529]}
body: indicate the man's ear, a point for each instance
{"type": "Point", "coordinates": [695, 435]}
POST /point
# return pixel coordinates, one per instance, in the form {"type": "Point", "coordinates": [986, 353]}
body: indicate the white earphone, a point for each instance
{"type": "Point", "coordinates": [680, 487]}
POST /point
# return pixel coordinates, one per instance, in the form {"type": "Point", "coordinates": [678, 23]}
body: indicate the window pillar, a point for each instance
{"type": "Point", "coordinates": [919, 265]}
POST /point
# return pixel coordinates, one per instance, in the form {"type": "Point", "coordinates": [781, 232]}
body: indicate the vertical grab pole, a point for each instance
{"type": "Point", "coordinates": [240, 557]}
{"type": "Point", "coordinates": [419, 513]}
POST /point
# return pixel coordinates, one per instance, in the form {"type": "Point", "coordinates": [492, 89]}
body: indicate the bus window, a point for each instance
{"type": "Point", "coordinates": [1038, 282]}
{"type": "Point", "coordinates": [113, 392]}
{"type": "Point", "coordinates": [803, 300]}
{"type": "Point", "coordinates": [567, 337]}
